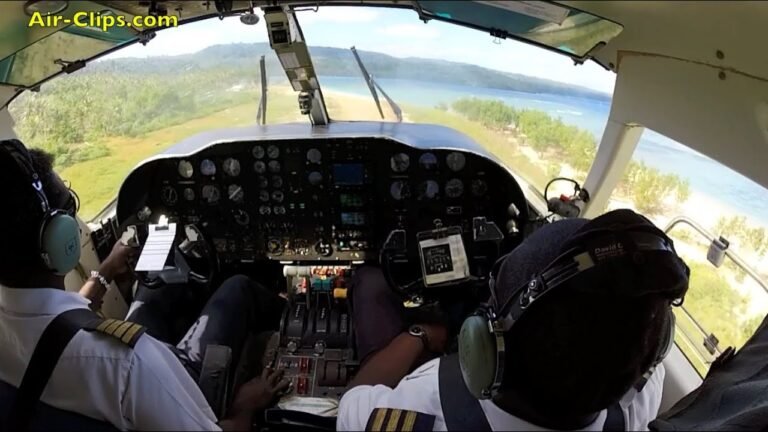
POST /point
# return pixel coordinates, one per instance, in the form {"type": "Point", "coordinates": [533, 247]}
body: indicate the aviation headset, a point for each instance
{"type": "Point", "coordinates": [58, 241]}
{"type": "Point", "coordinates": [481, 339]}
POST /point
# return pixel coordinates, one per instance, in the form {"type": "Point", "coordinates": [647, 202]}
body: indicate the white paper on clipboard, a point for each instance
{"type": "Point", "coordinates": [157, 247]}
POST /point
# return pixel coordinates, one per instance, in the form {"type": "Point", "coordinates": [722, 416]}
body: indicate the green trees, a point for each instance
{"type": "Point", "coordinates": [560, 144]}
{"type": "Point", "coordinates": [718, 307]}
{"type": "Point", "coordinates": [737, 228]}
{"type": "Point", "coordinates": [69, 117]}
{"type": "Point", "coordinates": [649, 188]}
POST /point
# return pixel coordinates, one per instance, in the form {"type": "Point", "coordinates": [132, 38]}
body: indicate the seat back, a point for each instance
{"type": "Point", "coordinates": [49, 418]}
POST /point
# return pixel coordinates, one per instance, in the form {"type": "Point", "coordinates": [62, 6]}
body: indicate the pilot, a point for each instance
{"type": "Point", "coordinates": [147, 385]}
{"type": "Point", "coordinates": [585, 355]}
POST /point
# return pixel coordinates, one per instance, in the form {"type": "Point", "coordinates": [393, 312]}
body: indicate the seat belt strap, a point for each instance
{"type": "Point", "coordinates": [615, 422]}
{"type": "Point", "coordinates": [46, 355]}
{"type": "Point", "coordinates": [461, 410]}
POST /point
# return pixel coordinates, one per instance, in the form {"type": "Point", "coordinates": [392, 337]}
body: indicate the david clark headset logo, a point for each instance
{"type": "Point", "coordinates": [610, 251]}
{"type": "Point", "coordinates": [102, 21]}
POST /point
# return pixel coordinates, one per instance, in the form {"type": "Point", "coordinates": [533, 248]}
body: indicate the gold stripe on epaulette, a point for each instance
{"type": "Point", "coordinates": [110, 330]}
{"type": "Point", "coordinates": [120, 331]}
{"type": "Point", "coordinates": [130, 333]}
{"type": "Point", "coordinates": [379, 420]}
{"type": "Point", "coordinates": [104, 324]}
{"type": "Point", "coordinates": [408, 422]}
{"type": "Point", "coordinates": [394, 417]}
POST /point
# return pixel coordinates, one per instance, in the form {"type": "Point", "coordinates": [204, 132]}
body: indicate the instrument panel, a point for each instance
{"type": "Point", "coordinates": [329, 199]}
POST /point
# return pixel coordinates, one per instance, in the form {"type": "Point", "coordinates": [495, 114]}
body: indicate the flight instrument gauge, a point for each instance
{"type": "Point", "coordinates": [169, 196]}
{"type": "Point", "coordinates": [207, 167]}
{"type": "Point", "coordinates": [314, 156]}
{"type": "Point", "coordinates": [274, 166]}
{"type": "Point", "coordinates": [479, 187]}
{"type": "Point", "coordinates": [428, 190]}
{"type": "Point", "coordinates": [400, 190]}
{"type": "Point", "coordinates": [262, 182]}
{"type": "Point", "coordinates": [428, 161]}
{"type": "Point", "coordinates": [277, 182]}
{"type": "Point", "coordinates": [273, 152]}
{"type": "Point", "coordinates": [399, 162]}
{"type": "Point", "coordinates": [454, 188]}
{"type": "Point", "coordinates": [189, 194]}
{"type": "Point", "coordinates": [258, 152]}
{"type": "Point", "coordinates": [186, 169]}
{"type": "Point", "coordinates": [211, 194]}
{"type": "Point", "coordinates": [235, 193]}
{"type": "Point", "coordinates": [456, 161]}
{"type": "Point", "coordinates": [259, 167]}
{"type": "Point", "coordinates": [241, 217]}
{"type": "Point", "coordinates": [232, 167]}
{"type": "Point", "coordinates": [264, 196]}
{"type": "Point", "coordinates": [315, 178]}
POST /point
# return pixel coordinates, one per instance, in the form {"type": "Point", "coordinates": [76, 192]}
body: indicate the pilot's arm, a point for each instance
{"type": "Point", "coordinates": [114, 265]}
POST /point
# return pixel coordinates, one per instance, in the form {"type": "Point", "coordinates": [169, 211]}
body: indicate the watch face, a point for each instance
{"type": "Point", "coordinates": [416, 331]}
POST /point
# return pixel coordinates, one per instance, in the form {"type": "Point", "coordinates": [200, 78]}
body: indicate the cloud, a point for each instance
{"type": "Point", "coordinates": [416, 31]}
{"type": "Point", "coordinates": [337, 14]}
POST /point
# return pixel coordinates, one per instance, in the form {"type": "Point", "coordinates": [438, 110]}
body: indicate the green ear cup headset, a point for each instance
{"type": "Point", "coordinates": [481, 339]}
{"type": "Point", "coordinates": [58, 241]}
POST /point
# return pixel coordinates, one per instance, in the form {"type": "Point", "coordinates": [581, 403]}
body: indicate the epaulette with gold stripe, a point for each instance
{"type": "Point", "coordinates": [391, 419]}
{"type": "Point", "coordinates": [125, 331]}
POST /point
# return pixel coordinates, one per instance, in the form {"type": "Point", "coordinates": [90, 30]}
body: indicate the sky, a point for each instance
{"type": "Point", "coordinates": [396, 32]}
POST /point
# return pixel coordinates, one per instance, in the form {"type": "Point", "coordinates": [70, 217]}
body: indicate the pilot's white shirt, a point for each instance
{"type": "Point", "coordinates": [419, 392]}
{"type": "Point", "coordinates": [144, 388]}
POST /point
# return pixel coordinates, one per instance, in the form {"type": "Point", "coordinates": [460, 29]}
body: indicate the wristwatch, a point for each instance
{"type": "Point", "coordinates": [419, 332]}
{"type": "Point", "coordinates": [101, 279]}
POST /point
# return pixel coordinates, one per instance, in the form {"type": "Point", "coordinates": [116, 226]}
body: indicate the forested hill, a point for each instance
{"type": "Point", "coordinates": [341, 62]}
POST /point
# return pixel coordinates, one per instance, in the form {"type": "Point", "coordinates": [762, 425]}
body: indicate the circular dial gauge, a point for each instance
{"type": "Point", "coordinates": [278, 196]}
{"type": "Point", "coordinates": [273, 152]}
{"type": "Point", "coordinates": [314, 156]}
{"type": "Point", "coordinates": [315, 178]}
{"type": "Point", "coordinates": [428, 189]}
{"type": "Point", "coordinates": [264, 196]}
{"type": "Point", "coordinates": [186, 169]}
{"type": "Point", "coordinates": [259, 167]}
{"type": "Point", "coordinates": [241, 217]}
{"type": "Point", "coordinates": [189, 194]}
{"type": "Point", "coordinates": [232, 167]}
{"type": "Point", "coordinates": [211, 194]}
{"type": "Point", "coordinates": [279, 210]}
{"type": "Point", "coordinates": [207, 167]}
{"type": "Point", "coordinates": [274, 166]}
{"type": "Point", "coordinates": [262, 182]}
{"type": "Point", "coordinates": [479, 187]}
{"type": "Point", "coordinates": [265, 210]}
{"type": "Point", "coordinates": [428, 161]}
{"type": "Point", "coordinates": [235, 193]}
{"type": "Point", "coordinates": [277, 182]}
{"type": "Point", "coordinates": [258, 152]}
{"type": "Point", "coordinates": [400, 162]}
{"type": "Point", "coordinates": [456, 161]}
{"type": "Point", "coordinates": [454, 188]}
{"type": "Point", "coordinates": [400, 190]}
{"type": "Point", "coordinates": [169, 196]}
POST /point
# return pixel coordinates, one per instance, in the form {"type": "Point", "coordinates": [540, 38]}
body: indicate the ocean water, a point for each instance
{"type": "Point", "coordinates": [705, 175]}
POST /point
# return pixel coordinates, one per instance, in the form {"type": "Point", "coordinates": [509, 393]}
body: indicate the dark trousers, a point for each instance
{"type": "Point", "coordinates": [237, 308]}
{"type": "Point", "coordinates": [377, 312]}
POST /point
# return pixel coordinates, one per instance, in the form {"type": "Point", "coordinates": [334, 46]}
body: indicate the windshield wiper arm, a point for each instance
{"type": "Point", "coordinates": [261, 114]}
{"type": "Point", "coordinates": [373, 85]}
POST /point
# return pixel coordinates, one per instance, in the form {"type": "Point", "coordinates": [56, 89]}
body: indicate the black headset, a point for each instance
{"type": "Point", "coordinates": [481, 339]}
{"type": "Point", "coordinates": [58, 242]}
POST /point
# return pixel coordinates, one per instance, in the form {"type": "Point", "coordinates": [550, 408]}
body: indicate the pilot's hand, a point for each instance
{"type": "Point", "coordinates": [117, 263]}
{"type": "Point", "coordinates": [259, 393]}
{"type": "Point", "coordinates": [437, 337]}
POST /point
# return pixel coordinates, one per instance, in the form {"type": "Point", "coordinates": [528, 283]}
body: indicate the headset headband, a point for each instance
{"type": "Point", "coordinates": [624, 244]}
